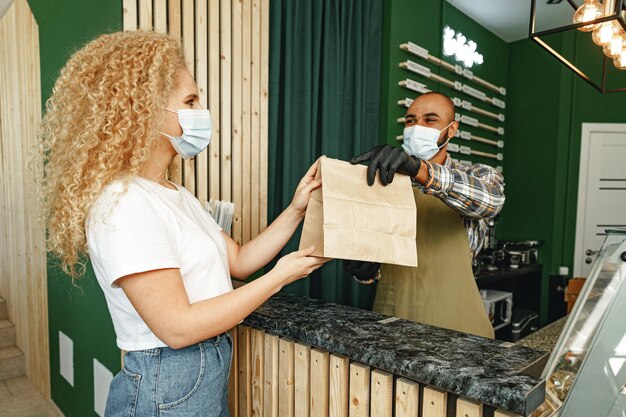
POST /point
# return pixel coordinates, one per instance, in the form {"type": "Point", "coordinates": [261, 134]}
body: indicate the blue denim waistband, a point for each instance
{"type": "Point", "coordinates": [215, 340]}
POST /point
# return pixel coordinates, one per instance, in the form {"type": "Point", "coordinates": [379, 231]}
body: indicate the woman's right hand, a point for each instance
{"type": "Point", "coordinates": [305, 188]}
{"type": "Point", "coordinates": [297, 265]}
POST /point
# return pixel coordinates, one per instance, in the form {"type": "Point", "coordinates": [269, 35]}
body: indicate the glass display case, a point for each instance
{"type": "Point", "coordinates": [586, 372]}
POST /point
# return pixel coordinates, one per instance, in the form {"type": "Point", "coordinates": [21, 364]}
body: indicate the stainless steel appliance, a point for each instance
{"type": "Point", "coordinates": [520, 252]}
{"type": "Point", "coordinates": [499, 307]}
{"type": "Point", "coordinates": [523, 323]}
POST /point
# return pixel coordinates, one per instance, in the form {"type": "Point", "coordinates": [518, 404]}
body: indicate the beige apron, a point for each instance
{"type": "Point", "coordinates": [442, 290]}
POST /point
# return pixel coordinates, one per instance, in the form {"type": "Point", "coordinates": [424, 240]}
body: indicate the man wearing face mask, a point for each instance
{"type": "Point", "coordinates": [453, 202]}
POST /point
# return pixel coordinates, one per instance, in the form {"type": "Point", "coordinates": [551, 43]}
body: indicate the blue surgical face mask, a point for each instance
{"type": "Point", "coordinates": [197, 128]}
{"type": "Point", "coordinates": [421, 141]}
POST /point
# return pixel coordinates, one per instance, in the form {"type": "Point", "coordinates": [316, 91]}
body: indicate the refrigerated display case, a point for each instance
{"type": "Point", "coordinates": [586, 372]}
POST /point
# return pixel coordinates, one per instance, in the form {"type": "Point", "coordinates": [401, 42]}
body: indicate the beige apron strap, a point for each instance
{"type": "Point", "coordinates": [442, 290]}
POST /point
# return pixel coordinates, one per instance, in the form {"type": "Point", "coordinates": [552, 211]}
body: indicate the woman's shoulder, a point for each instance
{"type": "Point", "coordinates": [119, 188]}
{"type": "Point", "coordinates": [120, 194]}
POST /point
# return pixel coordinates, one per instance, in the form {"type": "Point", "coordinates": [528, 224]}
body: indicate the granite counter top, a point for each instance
{"type": "Point", "coordinates": [473, 367]}
{"type": "Point", "coordinates": [544, 338]}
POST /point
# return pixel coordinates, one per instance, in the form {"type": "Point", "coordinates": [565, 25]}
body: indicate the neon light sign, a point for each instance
{"type": "Point", "coordinates": [463, 49]}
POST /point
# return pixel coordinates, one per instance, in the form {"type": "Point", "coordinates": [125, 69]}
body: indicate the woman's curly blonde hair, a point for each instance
{"type": "Point", "coordinates": [99, 125]}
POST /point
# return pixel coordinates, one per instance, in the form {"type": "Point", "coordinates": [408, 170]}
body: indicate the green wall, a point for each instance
{"type": "Point", "coordinates": [80, 313]}
{"type": "Point", "coordinates": [547, 105]}
{"type": "Point", "coordinates": [531, 149]}
{"type": "Point", "coordinates": [403, 23]}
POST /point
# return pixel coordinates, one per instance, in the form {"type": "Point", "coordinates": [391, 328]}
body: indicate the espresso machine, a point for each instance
{"type": "Point", "coordinates": [520, 252]}
{"type": "Point", "coordinates": [504, 254]}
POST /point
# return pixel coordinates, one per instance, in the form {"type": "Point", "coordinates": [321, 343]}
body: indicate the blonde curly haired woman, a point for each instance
{"type": "Point", "coordinates": [121, 109]}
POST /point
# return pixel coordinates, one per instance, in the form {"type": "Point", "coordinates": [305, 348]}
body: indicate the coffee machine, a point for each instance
{"type": "Point", "coordinates": [505, 254]}
{"type": "Point", "coordinates": [521, 252]}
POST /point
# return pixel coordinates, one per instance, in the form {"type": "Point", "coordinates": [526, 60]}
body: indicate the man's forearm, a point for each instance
{"type": "Point", "coordinates": [469, 195]}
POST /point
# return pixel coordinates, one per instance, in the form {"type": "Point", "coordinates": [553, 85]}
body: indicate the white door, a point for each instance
{"type": "Point", "coordinates": [601, 189]}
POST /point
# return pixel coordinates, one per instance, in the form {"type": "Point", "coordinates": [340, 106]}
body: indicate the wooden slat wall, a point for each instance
{"type": "Point", "coordinates": [435, 402]}
{"type": "Point", "coordinates": [236, 115]}
{"type": "Point", "coordinates": [226, 44]}
{"type": "Point", "coordinates": [501, 413]}
{"type": "Point", "coordinates": [359, 390]}
{"type": "Point", "coordinates": [320, 361]}
{"type": "Point", "coordinates": [339, 388]}
{"type": "Point", "coordinates": [188, 33]}
{"type": "Point", "coordinates": [301, 381]}
{"type": "Point", "coordinates": [23, 282]}
{"type": "Point", "coordinates": [233, 379]}
{"type": "Point", "coordinates": [382, 394]}
{"type": "Point", "coordinates": [174, 28]}
{"type": "Point", "coordinates": [257, 341]}
{"type": "Point", "coordinates": [264, 110]}
{"type": "Point", "coordinates": [270, 389]}
{"type": "Point", "coordinates": [244, 353]}
{"type": "Point", "coordinates": [202, 80]}
{"type": "Point", "coordinates": [286, 392]}
{"type": "Point", "coordinates": [468, 408]}
{"type": "Point", "coordinates": [407, 398]}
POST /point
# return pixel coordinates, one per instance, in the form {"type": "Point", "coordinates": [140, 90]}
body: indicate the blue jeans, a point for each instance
{"type": "Point", "coordinates": [163, 382]}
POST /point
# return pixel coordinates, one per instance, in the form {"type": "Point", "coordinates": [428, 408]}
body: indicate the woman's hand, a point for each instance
{"type": "Point", "coordinates": [307, 184]}
{"type": "Point", "coordinates": [297, 265]}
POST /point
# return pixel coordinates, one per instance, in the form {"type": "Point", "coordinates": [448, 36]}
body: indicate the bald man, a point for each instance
{"type": "Point", "coordinates": [453, 203]}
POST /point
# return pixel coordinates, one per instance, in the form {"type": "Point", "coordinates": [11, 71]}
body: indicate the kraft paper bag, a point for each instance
{"type": "Point", "coordinates": [348, 219]}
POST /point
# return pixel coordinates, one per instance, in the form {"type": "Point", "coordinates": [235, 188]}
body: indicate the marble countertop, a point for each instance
{"type": "Point", "coordinates": [545, 338]}
{"type": "Point", "coordinates": [473, 367]}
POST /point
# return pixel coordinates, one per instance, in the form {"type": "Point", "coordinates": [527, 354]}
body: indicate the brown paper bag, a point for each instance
{"type": "Point", "coordinates": [348, 219]}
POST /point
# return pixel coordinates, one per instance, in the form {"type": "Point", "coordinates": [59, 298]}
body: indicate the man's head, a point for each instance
{"type": "Point", "coordinates": [434, 110]}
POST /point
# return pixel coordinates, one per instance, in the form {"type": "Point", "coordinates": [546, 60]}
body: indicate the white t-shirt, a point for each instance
{"type": "Point", "coordinates": [152, 227]}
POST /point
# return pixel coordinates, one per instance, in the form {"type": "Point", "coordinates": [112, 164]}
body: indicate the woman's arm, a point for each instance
{"type": "Point", "coordinates": [160, 298]}
{"type": "Point", "coordinates": [255, 254]}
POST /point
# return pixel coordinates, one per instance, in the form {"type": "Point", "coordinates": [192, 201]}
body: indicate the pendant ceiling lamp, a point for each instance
{"type": "Point", "coordinates": [601, 22]}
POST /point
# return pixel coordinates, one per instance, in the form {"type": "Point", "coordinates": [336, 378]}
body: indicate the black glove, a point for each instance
{"type": "Point", "coordinates": [388, 160]}
{"type": "Point", "coordinates": [361, 270]}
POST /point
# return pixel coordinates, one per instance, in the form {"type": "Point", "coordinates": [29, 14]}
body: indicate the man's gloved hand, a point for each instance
{"type": "Point", "coordinates": [361, 270]}
{"type": "Point", "coordinates": [388, 160]}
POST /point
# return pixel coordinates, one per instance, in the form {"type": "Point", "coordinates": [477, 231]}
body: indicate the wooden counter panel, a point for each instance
{"type": "Point", "coordinates": [280, 377]}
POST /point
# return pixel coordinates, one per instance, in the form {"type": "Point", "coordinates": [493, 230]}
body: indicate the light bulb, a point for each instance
{"type": "Point", "coordinates": [590, 10]}
{"type": "Point", "coordinates": [604, 33]}
{"type": "Point", "coordinates": [613, 49]}
{"type": "Point", "coordinates": [620, 60]}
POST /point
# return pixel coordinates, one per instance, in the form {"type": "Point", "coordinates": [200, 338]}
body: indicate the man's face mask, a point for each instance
{"type": "Point", "coordinates": [197, 128]}
{"type": "Point", "coordinates": [421, 141]}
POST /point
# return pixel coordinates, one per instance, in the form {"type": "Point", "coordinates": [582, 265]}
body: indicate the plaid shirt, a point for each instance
{"type": "Point", "coordinates": [476, 192]}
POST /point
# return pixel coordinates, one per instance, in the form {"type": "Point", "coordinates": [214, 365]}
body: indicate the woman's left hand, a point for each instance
{"type": "Point", "coordinates": [307, 184]}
